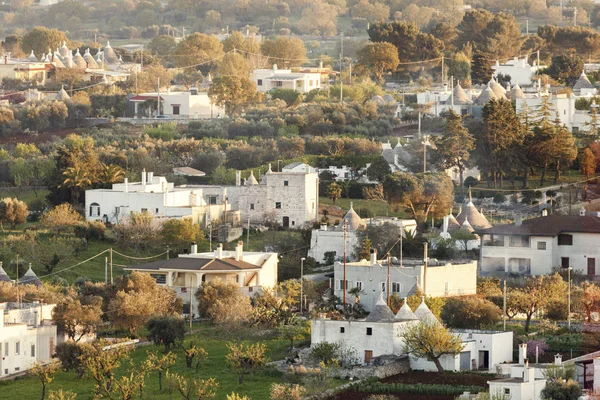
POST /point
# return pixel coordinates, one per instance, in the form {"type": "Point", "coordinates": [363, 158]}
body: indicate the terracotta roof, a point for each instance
{"type": "Point", "coordinates": [196, 264]}
{"type": "Point", "coordinates": [551, 225]}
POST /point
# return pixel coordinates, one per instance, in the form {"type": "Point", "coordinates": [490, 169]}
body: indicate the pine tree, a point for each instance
{"type": "Point", "coordinates": [481, 70]}
{"type": "Point", "coordinates": [365, 249]}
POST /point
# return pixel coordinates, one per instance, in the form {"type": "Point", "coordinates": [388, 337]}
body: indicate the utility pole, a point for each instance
{"type": "Point", "coordinates": [158, 98]}
{"type": "Point", "coordinates": [401, 236]}
{"type": "Point", "coordinates": [301, 281]}
{"type": "Point", "coordinates": [191, 307]}
{"type": "Point", "coordinates": [111, 265]}
{"type": "Point", "coordinates": [342, 70]}
{"type": "Point", "coordinates": [574, 16]}
{"type": "Point", "coordinates": [344, 281]}
{"type": "Point", "coordinates": [425, 261]}
{"type": "Point", "coordinates": [105, 271]}
{"type": "Point", "coordinates": [504, 305]}
{"type": "Point", "coordinates": [18, 294]}
{"type": "Point", "coordinates": [443, 80]}
{"type": "Point", "coordinates": [569, 298]}
{"type": "Point", "coordinates": [527, 27]}
{"type": "Point", "coordinates": [248, 233]}
{"type": "Point", "coordinates": [389, 260]}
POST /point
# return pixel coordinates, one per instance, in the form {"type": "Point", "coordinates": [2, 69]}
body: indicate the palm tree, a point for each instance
{"type": "Point", "coordinates": [110, 174]}
{"type": "Point", "coordinates": [76, 178]}
{"type": "Point", "coordinates": [356, 292]}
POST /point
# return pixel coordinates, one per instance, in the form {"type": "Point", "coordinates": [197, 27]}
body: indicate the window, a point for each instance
{"type": "Point", "coordinates": [565, 240]}
{"type": "Point", "coordinates": [575, 129]}
{"type": "Point", "coordinates": [396, 287]}
{"type": "Point", "coordinates": [279, 83]}
{"type": "Point", "coordinates": [293, 223]}
{"type": "Point", "coordinates": [493, 240]}
{"type": "Point", "coordinates": [212, 200]}
{"type": "Point", "coordinates": [278, 205]}
{"type": "Point", "coordinates": [252, 206]}
{"type": "Point", "coordinates": [339, 284]}
{"type": "Point", "coordinates": [519, 241]}
{"type": "Point", "coordinates": [564, 262]}
{"type": "Point", "coordinates": [33, 350]}
{"type": "Point", "coordinates": [259, 82]}
{"type": "Point", "coordinates": [342, 329]}
{"type": "Point", "coordinates": [310, 83]}
{"type": "Point", "coordinates": [6, 349]}
{"type": "Point", "coordinates": [160, 278]}
{"type": "Point", "coordinates": [156, 211]}
{"type": "Point", "coordinates": [541, 245]}
{"type": "Point", "coordinates": [18, 348]}
{"type": "Point", "coordinates": [175, 109]}
{"type": "Point", "coordinates": [383, 287]}
{"type": "Point", "coordinates": [506, 390]}
{"type": "Point", "coordinates": [144, 210]}
{"type": "Point", "coordinates": [94, 210]}
{"type": "Point", "coordinates": [285, 183]}
{"type": "Point", "coordinates": [369, 331]}
{"type": "Point", "coordinates": [359, 285]}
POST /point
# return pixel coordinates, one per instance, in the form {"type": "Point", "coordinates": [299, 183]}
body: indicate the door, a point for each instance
{"type": "Point", "coordinates": [51, 347]}
{"type": "Point", "coordinates": [591, 266]}
{"type": "Point", "coordinates": [286, 222]}
{"type": "Point", "coordinates": [465, 361]}
{"type": "Point", "coordinates": [368, 356]}
{"type": "Point", "coordinates": [484, 359]}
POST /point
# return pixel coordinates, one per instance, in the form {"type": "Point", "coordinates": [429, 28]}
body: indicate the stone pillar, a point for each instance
{"type": "Point", "coordinates": [240, 277]}
{"type": "Point", "coordinates": [169, 277]}
{"type": "Point", "coordinates": [199, 276]}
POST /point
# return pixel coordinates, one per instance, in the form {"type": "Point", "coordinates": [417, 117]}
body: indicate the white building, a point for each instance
{"type": "Point", "coordinates": [269, 79]}
{"type": "Point", "coordinates": [252, 271]}
{"type": "Point", "coordinates": [153, 194]}
{"type": "Point", "coordinates": [380, 334]}
{"type": "Point", "coordinates": [192, 104]}
{"type": "Point", "coordinates": [341, 174]}
{"type": "Point", "coordinates": [444, 100]}
{"type": "Point", "coordinates": [534, 246]}
{"type": "Point", "coordinates": [438, 279]}
{"type": "Point", "coordinates": [27, 335]}
{"type": "Point", "coordinates": [519, 70]}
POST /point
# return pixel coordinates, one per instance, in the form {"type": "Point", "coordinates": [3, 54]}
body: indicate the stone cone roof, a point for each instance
{"type": "Point", "coordinates": [30, 278]}
{"type": "Point", "coordinates": [416, 289]}
{"type": "Point", "coordinates": [583, 82]}
{"type": "Point", "coordinates": [497, 88]}
{"type": "Point", "coordinates": [62, 95]}
{"type": "Point", "coordinates": [405, 313]}
{"type": "Point", "coordinates": [516, 92]}
{"type": "Point", "coordinates": [32, 57]}
{"type": "Point", "coordinates": [388, 98]}
{"type": "Point", "coordinates": [4, 276]}
{"type": "Point", "coordinates": [381, 312]}
{"type": "Point", "coordinates": [486, 95]}
{"type": "Point", "coordinates": [89, 59]}
{"type": "Point", "coordinates": [378, 99]}
{"type": "Point", "coordinates": [64, 50]}
{"type": "Point", "coordinates": [251, 180]}
{"type": "Point", "coordinates": [424, 313]}
{"type": "Point", "coordinates": [109, 54]}
{"type": "Point", "coordinates": [353, 221]}
{"type": "Point", "coordinates": [100, 56]}
{"type": "Point", "coordinates": [78, 61]}
{"type": "Point", "coordinates": [460, 96]}
{"type": "Point", "coordinates": [453, 224]}
{"type": "Point", "coordinates": [466, 226]}
{"type": "Point", "coordinates": [476, 219]}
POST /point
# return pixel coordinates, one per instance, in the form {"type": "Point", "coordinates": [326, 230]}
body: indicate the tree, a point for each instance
{"type": "Point", "coordinates": [13, 212]}
{"type": "Point", "coordinates": [372, 12]}
{"type": "Point", "coordinates": [455, 147]}
{"type": "Point", "coordinates": [61, 218]}
{"type": "Point", "coordinates": [77, 178]}
{"type": "Point", "coordinates": [566, 68]}
{"type": "Point", "coordinates": [44, 373]}
{"type": "Point", "coordinates": [223, 302]}
{"type": "Point", "coordinates": [76, 319]}
{"type": "Point", "coordinates": [181, 232]}
{"type": "Point", "coordinates": [430, 340]}
{"type": "Point", "coordinates": [166, 331]}
{"type": "Point", "coordinates": [246, 358]}
{"type": "Point", "coordinates": [100, 364]}
{"type": "Point", "coordinates": [196, 389]}
{"type": "Point", "coordinates": [334, 192]}
{"type": "Point", "coordinates": [233, 64]}
{"type": "Point", "coordinates": [160, 364]}
{"type": "Point", "coordinates": [69, 353]}
{"type": "Point", "coordinates": [318, 18]}
{"type": "Point", "coordinates": [295, 330]}
{"type": "Point", "coordinates": [290, 96]}
{"type": "Point", "coordinates": [140, 230]}
{"type": "Point", "coordinates": [498, 141]}
{"type": "Point", "coordinates": [198, 48]}
{"type": "Point", "coordinates": [421, 193]}
{"type": "Point", "coordinates": [365, 249]}
{"type": "Point", "coordinates": [287, 391]}
{"type": "Point", "coordinates": [590, 299]}
{"type": "Point", "coordinates": [138, 298]}
{"type": "Point", "coordinates": [535, 295]}
{"type": "Point", "coordinates": [148, 79]}
{"type": "Point", "coordinates": [110, 174]}
{"type": "Point", "coordinates": [40, 39]}
{"type": "Point", "coordinates": [233, 93]}
{"type": "Point", "coordinates": [31, 171]}
{"type": "Point", "coordinates": [377, 58]}
{"type": "Point", "coordinates": [284, 50]}
{"type": "Point", "coordinates": [378, 169]}
{"type": "Point", "coordinates": [561, 383]}
{"type": "Point", "coordinates": [62, 395]}
{"type": "Point", "coordinates": [588, 163]}
{"type": "Point", "coordinates": [193, 352]}
{"type": "Point", "coordinates": [459, 66]}
{"type": "Point", "coordinates": [481, 68]}
{"type": "Point", "coordinates": [470, 312]}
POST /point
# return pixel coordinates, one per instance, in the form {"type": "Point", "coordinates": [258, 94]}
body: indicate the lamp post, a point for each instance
{"type": "Point", "coordinates": [301, 281]}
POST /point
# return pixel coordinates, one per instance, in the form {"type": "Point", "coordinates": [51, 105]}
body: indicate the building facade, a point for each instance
{"type": "Point", "coordinates": [192, 104]}
{"type": "Point", "coordinates": [535, 246]}
{"type": "Point", "coordinates": [270, 79]}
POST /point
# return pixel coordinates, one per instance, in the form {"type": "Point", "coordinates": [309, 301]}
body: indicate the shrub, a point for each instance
{"type": "Point", "coordinates": [325, 352]}
{"type": "Point", "coordinates": [418, 388]}
{"type": "Point", "coordinates": [287, 391]}
{"type": "Point", "coordinates": [470, 312]}
{"type": "Point", "coordinates": [499, 198]}
{"type": "Point", "coordinates": [165, 132]}
{"type": "Point", "coordinates": [68, 353]}
{"type": "Point", "coordinates": [470, 181]}
{"type": "Point", "coordinates": [93, 230]}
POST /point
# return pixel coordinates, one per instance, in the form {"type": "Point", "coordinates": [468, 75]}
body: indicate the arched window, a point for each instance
{"type": "Point", "coordinates": [94, 210]}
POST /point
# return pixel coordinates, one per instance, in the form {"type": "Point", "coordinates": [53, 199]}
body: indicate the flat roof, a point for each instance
{"type": "Point", "coordinates": [551, 225]}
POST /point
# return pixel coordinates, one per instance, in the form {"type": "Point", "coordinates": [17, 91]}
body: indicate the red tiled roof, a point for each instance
{"type": "Point", "coordinates": [196, 264]}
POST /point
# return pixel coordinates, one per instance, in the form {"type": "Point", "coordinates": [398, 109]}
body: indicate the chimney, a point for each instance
{"type": "Point", "coordinates": [274, 67]}
{"type": "Point", "coordinates": [522, 353]}
{"type": "Point", "coordinates": [323, 227]}
{"type": "Point", "coordinates": [373, 260]}
{"type": "Point", "coordinates": [558, 359]}
{"type": "Point", "coordinates": [5, 60]}
{"type": "Point", "coordinates": [239, 251]}
{"type": "Point", "coordinates": [219, 251]}
{"type": "Point", "coordinates": [150, 177]}
{"type": "Point", "coordinates": [144, 176]}
{"type": "Point", "coordinates": [518, 220]}
{"type": "Point", "coordinates": [193, 248]}
{"type": "Point", "coordinates": [238, 178]}
{"type": "Point", "coordinates": [126, 182]}
{"type": "Point", "coordinates": [528, 373]}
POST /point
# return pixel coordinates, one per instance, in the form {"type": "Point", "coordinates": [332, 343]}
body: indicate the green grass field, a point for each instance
{"type": "Point", "coordinates": [377, 208]}
{"type": "Point", "coordinates": [24, 195]}
{"type": "Point", "coordinates": [256, 386]}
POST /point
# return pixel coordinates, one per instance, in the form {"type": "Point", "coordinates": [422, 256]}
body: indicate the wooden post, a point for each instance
{"type": "Point", "coordinates": [344, 281]}
{"type": "Point", "coordinates": [425, 262]}
{"type": "Point", "coordinates": [191, 307]}
{"type": "Point", "coordinates": [389, 260]}
{"type": "Point", "coordinates": [111, 266]}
